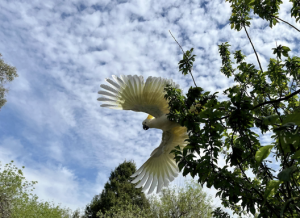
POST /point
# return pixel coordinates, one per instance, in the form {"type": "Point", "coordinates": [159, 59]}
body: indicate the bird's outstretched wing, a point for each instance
{"type": "Point", "coordinates": [161, 169]}
{"type": "Point", "coordinates": [132, 93]}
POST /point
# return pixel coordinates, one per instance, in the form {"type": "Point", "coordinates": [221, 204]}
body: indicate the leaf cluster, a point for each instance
{"type": "Point", "coordinates": [265, 9]}
{"type": "Point", "coordinates": [295, 11]}
{"type": "Point", "coordinates": [7, 74]}
{"type": "Point", "coordinates": [13, 186]}
{"type": "Point", "coordinates": [186, 201]}
{"type": "Point", "coordinates": [17, 200]}
{"type": "Point", "coordinates": [127, 210]}
{"type": "Point", "coordinates": [267, 101]}
{"type": "Point", "coordinates": [186, 64]}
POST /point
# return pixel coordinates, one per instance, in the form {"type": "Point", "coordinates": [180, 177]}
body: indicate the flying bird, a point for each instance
{"type": "Point", "coordinates": [132, 93]}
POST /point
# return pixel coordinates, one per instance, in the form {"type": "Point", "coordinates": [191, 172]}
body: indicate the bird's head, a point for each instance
{"type": "Point", "coordinates": [147, 121]}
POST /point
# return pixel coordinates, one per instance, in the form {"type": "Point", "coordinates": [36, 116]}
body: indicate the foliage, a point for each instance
{"type": "Point", "coordinates": [7, 74]}
{"type": "Point", "coordinates": [32, 207]}
{"type": "Point", "coordinates": [77, 214]}
{"type": "Point", "coordinates": [261, 100]}
{"type": "Point", "coordinates": [17, 201]}
{"type": "Point", "coordinates": [186, 64]}
{"type": "Point", "coordinates": [186, 201]}
{"type": "Point", "coordinates": [12, 186]}
{"type": "Point", "coordinates": [125, 211]}
{"type": "Point", "coordinates": [117, 192]}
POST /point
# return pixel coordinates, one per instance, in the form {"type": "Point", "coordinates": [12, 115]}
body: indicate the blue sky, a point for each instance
{"type": "Point", "coordinates": [63, 50]}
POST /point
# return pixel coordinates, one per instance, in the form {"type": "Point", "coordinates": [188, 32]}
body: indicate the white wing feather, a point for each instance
{"type": "Point", "coordinates": [132, 93]}
{"type": "Point", "coordinates": [160, 169]}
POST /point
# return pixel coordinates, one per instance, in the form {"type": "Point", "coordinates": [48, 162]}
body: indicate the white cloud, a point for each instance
{"type": "Point", "coordinates": [64, 50]}
{"type": "Point", "coordinates": [11, 149]}
{"type": "Point", "coordinates": [55, 151]}
{"type": "Point", "coordinates": [55, 183]}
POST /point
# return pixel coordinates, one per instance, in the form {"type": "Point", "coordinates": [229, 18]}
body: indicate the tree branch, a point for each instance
{"type": "Point", "coordinates": [278, 100]}
{"type": "Point", "coordinates": [176, 41]}
{"type": "Point", "coordinates": [285, 22]}
{"type": "Point", "coordinates": [192, 77]}
{"type": "Point", "coordinates": [184, 55]}
{"type": "Point", "coordinates": [253, 49]}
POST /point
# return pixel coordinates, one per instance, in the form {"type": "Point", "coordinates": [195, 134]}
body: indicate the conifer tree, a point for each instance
{"type": "Point", "coordinates": [118, 191]}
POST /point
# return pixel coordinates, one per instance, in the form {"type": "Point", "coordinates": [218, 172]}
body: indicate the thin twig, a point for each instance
{"type": "Point", "coordinates": [245, 176]}
{"type": "Point", "coordinates": [285, 22]}
{"type": "Point", "coordinates": [176, 41]}
{"type": "Point", "coordinates": [277, 55]}
{"type": "Point", "coordinates": [275, 108]}
{"type": "Point", "coordinates": [192, 77]}
{"type": "Point", "coordinates": [254, 49]}
{"type": "Point", "coordinates": [278, 100]}
{"type": "Point", "coordinates": [184, 55]}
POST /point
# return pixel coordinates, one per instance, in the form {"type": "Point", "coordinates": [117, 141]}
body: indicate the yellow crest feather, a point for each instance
{"type": "Point", "coordinates": [150, 117]}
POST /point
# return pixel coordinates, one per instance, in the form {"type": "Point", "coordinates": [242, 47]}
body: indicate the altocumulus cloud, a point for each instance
{"type": "Point", "coordinates": [64, 50]}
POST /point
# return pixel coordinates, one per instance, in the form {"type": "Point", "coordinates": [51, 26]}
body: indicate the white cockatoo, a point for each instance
{"type": "Point", "coordinates": [132, 93]}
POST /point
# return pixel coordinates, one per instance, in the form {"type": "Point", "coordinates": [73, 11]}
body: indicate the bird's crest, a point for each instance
{"type": "Point", "coordinates": [150, 117]}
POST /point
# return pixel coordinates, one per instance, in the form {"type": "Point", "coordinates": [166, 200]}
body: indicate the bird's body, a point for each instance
{"type": "Point", "coordinates": [132, 93]}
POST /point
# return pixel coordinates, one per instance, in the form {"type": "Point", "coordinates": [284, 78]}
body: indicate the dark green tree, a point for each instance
{"type": "Point", "coordinates": [117, 192]}
{"type": "Point", "coordinates": [265, 99]}
{"type": "Point", "coordinates": [7, 74]}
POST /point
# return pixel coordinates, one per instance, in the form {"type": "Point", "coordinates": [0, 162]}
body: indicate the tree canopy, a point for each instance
{"type": "Point", "coordinates": [13, 185]}
{"type": "Point", "coordinates": [188, 200]}
{"type": "Point", "coordinates": [261, 100]}
{"type": "Point", "coordinates": [118, 191]}
{"type": "Point", "coordinates": [7, 74]}
{"type": "Point", "coordinates": [17, 201]}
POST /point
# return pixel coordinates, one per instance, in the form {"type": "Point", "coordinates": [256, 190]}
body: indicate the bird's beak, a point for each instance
{"type": "Point", "coordinates": [145, 127]}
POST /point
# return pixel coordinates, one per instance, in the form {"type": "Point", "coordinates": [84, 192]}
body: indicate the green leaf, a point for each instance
{"type": "Point", "coordinates": [284, 127]}
{"type": "Point", "coordinates": [285, 174]}
{"type": "Point", "coordinates": [289, 140]}
{"type": "Point", "coordinates": [184, 152]}
{"type": "Point", "coordinates": [185, 171]}
{"type": "Point", "coordinates": [292, 118]}
{"type": "Point", "coordinates": [181, 165]}
{"type": "Point", "coordinates": [286, 49]}
{"type": "Point", "coordinates": [271, 188]}
{"type": "Point", "coordinates": [285, 54]}
{"type": "Point", "coordinates": [252, 3]}
{"type": "Point", "coordinates": [287, 203]}
{"type": "Point", "coordinates": [263, 153]}
{"type": "Point", "coordinates": [270, 120]}
{"type": "Point", "coordinates": [296, 155]}
{"type": "Point", "coordinates": [252, 209]}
